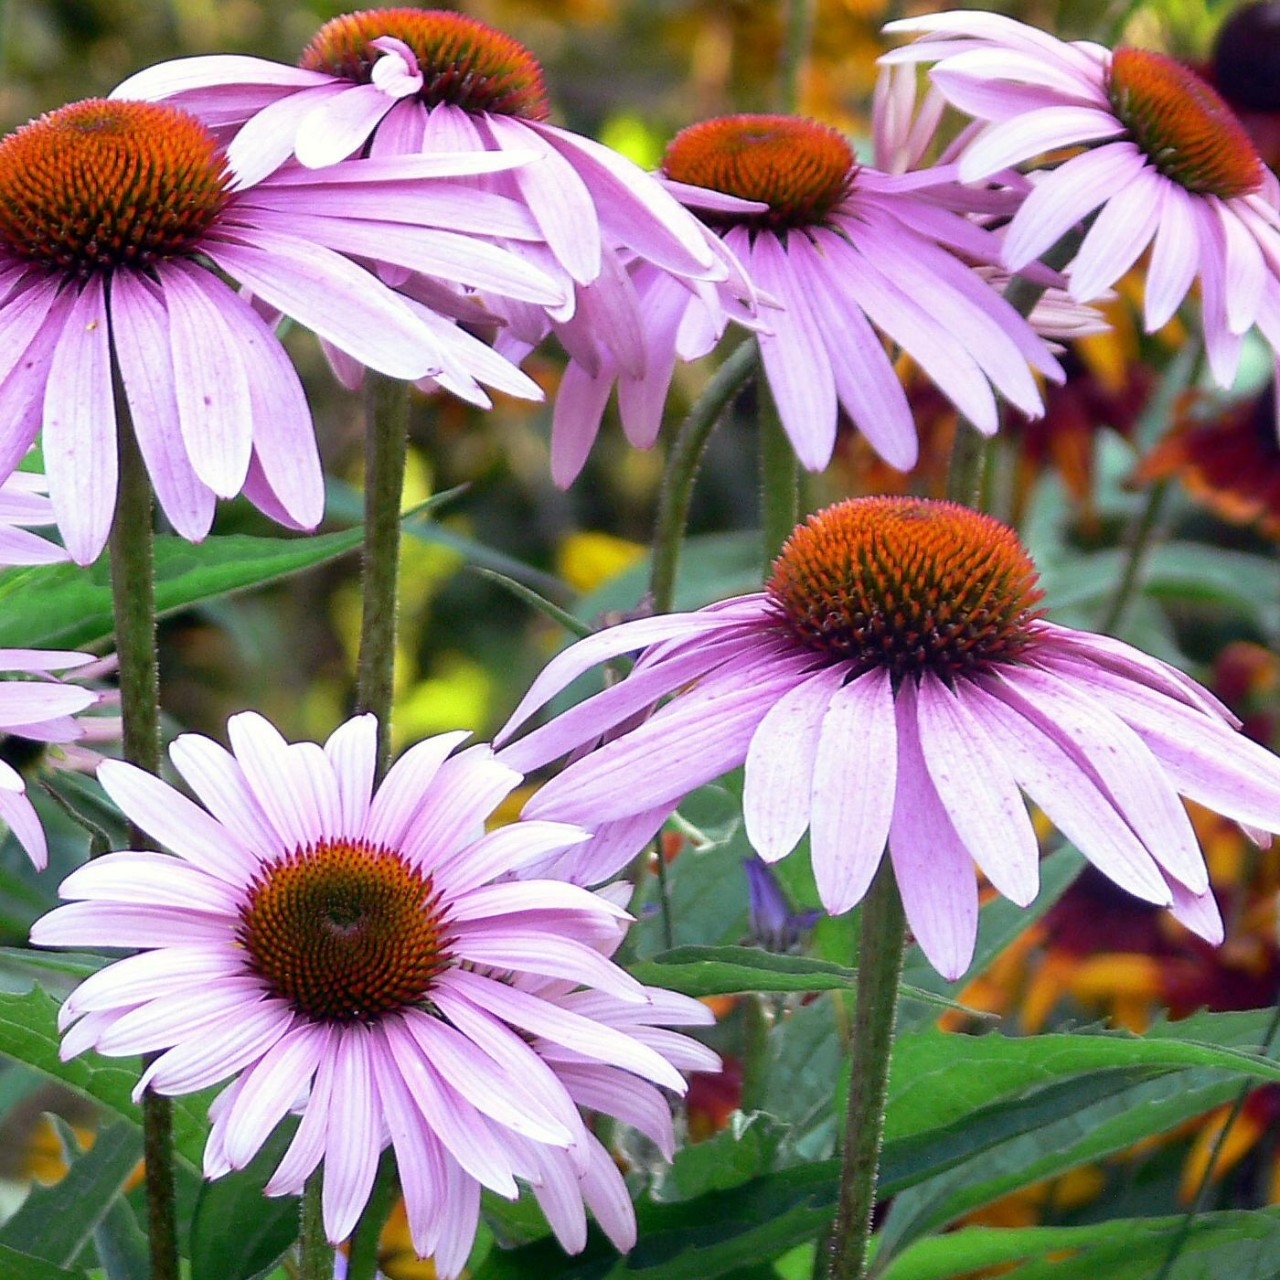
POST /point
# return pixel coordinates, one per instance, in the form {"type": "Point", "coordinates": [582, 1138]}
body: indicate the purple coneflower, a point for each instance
{"type": "Point", "coordinates": [895, 683]}
{"type": "Point", "coordinates": [851, 254]}
{"type": "Point", "coordinates": [36, 705]}
{"type": "Point", "coordinates": [399, 81]}
{"type": "Point", "coordinates": [118, 223]}
{"type": "Point", "coordinates": [363, 957]}
{"type": "Point", "coordinates": [1162, 162]}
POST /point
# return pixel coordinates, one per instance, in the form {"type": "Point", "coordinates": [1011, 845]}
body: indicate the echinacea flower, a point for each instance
{"type": "Point", "coordinates": [362, 957]}
{"type": "Point", "coordinates": [852, 254]}
{"type": "Point", "coordinates": [399, 81]}
{"type": "Point", "coordinates": [35, 704]}
{"type": "Point", "coordinates": [119, 227]}
{"type": "Point", "coordinates": [1161, 163]}
{"type": "Point", "coordinates": [896, 683]}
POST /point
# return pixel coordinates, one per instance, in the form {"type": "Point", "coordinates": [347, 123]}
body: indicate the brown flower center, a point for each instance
{"type": "Point", "coordinates": [910, 584]}
{"type": "Point", "coordinates": [102, 184]}
{"type": "Point", "coordinates": [463, 62]}
{"type": "Point", "coordinates": [801, 169]}
{"type": "Point", "coordinates": [1185, 129]}
{"type": "Point", "coordinates": [345, 931]}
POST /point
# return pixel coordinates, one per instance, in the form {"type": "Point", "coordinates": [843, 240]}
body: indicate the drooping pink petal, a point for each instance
{"type": "Point", "coordinates": [79, 426]}
{"type": "Point", "coordinates": [215, 409]}
{"type": "Point", "coordinates": [854, 784]}
{"type": "Point", "coordinates": [140, 332]}
{"type": "Point", "coordinates": [778, 786]}
{"type": "Point", "coordinates": [930, 861]}
{"type": "Point", "coordinates": [978, 791]}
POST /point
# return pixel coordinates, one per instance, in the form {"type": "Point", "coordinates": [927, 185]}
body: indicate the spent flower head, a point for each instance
{"type": "Point", "coordinates": [896, 683]}
{"type": "Point", "coordinates": [361, 956]}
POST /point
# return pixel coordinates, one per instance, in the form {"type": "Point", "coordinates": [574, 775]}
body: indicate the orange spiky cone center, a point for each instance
{"type": "Point", "coordinates": [1182, 126]}
{"type": "Point", "coordinates": [102, 183]}
{"type": "Point", "coordinates": [345, 931]}
{"type": "Point", "coordinates": [908, 584]}
{"type": "Point", "coordinates": [464, 62]}
{"type": "Point", "coordinates": [801, 169]}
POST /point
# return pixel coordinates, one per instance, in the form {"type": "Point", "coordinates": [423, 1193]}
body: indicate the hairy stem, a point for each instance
{"type": "Point", "coordinates": [134, 608]}
{"type": "Point", "coordinates": [681, 472]}
{"type": "Point", "coordinates": [386, 452]}
{"type": "Point", "coordinates": [880, 951]}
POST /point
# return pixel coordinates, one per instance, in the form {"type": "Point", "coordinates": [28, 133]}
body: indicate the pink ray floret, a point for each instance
{"type": "Point", "coordinates": [878, 733]}
{"type": "Point", "coordinates": [117, 259]}
{"type": "Point", "coordinates": [35, 704]}
{"type": "Point", "coordinates": [1159, 165]}
{"type": "Point", "coordinates": [362, 956]}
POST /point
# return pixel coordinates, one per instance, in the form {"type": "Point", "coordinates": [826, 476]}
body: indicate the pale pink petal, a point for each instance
{"type": "Point", "coordinates": [267, 139]}
{"type": "Point", "coordinates": [177, 823]}
{"type": "Point", "coordinates": [933, 868]}
{"type": "Point", "coordinates": [353, 1137]}
{"type": "Point", "coordinates": [795, 357]}
{"type": "Point", "coordinates": [155, 878]}
{"type": "Point", "coordinates": [140, 331]}
{"type": "Point", "coordinates": [283, 436]}
{"type": "Point", "coordinates": [978, 791]}
{"type": "Point", "coordinates": [19, 815]}
{"type": "Point", "coordinates": [596, 1041]}
{"type": "Point", "coordinates": [269, 1089]}
{"type": "Point", "coordinates": [1140, 788]}
{"type": "Point", "coordinates": [1052, 773]}
{"type": "Point", "coordinates": [400, 796]}
{"type": "Point", "coordinates": [1123, 228]}
{"type": "Point", "coordinates": [1063, 197]}
{"type": "Point", "coordinates": [506, 850]}
{"type": "Point", "coordinates": [352, 750]}
{"type": "Point", "coordinates": [80, 425]}
{"type": "Point", "coordinates": [219, 783]}
{"type": "Point", "coordinates": [340, 124]}
{"type": "Point", "coordinates": [482, 1083]}
{"type": "Point", "coordinates": [214, 405]}
{"type": "Point", "coordinates": [1175, 257]}
{"type": "Point", "coordinates": [1032, 134]}
{"type": "Point", "coordinates": [576, 414]}
{"type": "Point", "coordinates": [867, 386]}
{"type": "Point", "coordinates": [459, 1127]}
{"type": "Point", "coordinates": [334, 298]}
{"type": "Point", "coordinates": [557, 197]}
{"type": "Point", "coordinates": [778, 785]}
{"type": "Point", "coordinates": [117, 924]}
{"type": "Point", "coordinates": [568, 665]}
{"type": "Point", "coordinates": [854, 782]}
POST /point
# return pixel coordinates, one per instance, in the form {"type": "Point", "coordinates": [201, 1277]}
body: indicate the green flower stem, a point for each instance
{"type": "Point", "coordinates": [386, 451]}
{"type": "Point", "coordinates": [968, 465]}
{"type": "Point", "coordinates": [315, 1253]}
{"type": "Point", "coordinates": [795, 50]}
{"type": "Point", "coordinates": [134, 606]}
{"type": "Point", "coordinates": [756, 1022]}
{"type": "Point", "coordinates": [779, 479]}
{"type": "Point", "coordinates": [880, 952]}
{"type": "Point", "coordinates": [683, 461]}
{"type": "Point", "coordinates": [1140, 540]}
{"type": "Point", "coordinates": [363, 1261]}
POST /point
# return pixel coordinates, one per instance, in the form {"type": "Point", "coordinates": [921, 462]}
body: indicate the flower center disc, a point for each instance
{"type": "Point", "coordinates": [463, 62]}
{"type": "Point", "coordinates": [345, 931]}
{"type": "Point", "coordinates": [1185, 129]}
{"type": "Point", "coordinates": [909, 584]}
{"type": "Point", "coordinates": [102, 184]}
{"type": "Point", "coordinates": [801, 169]}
